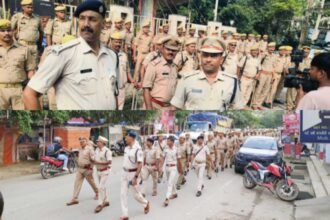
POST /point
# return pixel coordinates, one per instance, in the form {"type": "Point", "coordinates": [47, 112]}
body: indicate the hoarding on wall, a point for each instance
{"type": "Point", "coordinates": [290, 123]}
{"type": "Point", "coordinates": [41, 7]}
{"type": "Point", "coordinates": [167, 120]}
{"type": "Point", "coordinates": [315, 126]}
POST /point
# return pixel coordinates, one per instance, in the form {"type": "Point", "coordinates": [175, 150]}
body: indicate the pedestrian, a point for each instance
{"type": "Point", "coordinates": [132, 166]}
{"type": "Point", "coordinates": [151, 166]}
{"type": "Point", "coordinates": [125, 75]}
{"type": "Point", "coordinates": [184, 152]}
{"type": "Point", "coordinates": [220, 88]}
{"type": "Point", "coordinates": [264, 77]}
{"type": "Point", "coordinates": [84, 72]}
{"type": "Point", "coordinates": [161, 77]}
{"type": "Point", "coordinates": [16, 67]}
{"type": "Point", "coordinates": [200, 155]}
{"type": "Point", "coordinates": [59, 27]}
{"type": "Point", "coordinates": [103, 160]}
{"type": "Point", "coordinates": [171, 159]}
{"type": "Point", "coordinates": [27, 28]}
{"type": "Point", "coordinates": [141, 47]}
{"type": "Point", "coordinates": [85, 170]}
{"type": "Point", "coordinates": [42, 145]}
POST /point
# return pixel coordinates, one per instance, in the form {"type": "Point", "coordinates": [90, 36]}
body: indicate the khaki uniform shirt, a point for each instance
{"type": "Point", "coordinates": [15, 62]}
{"type": "Point", "coordinates": [222, 143]}
{"type": "Point", "coordinates": [151, 155]}
{"type": "Point", "coordinates": [123, 68]}
{"type": "Point", "coordinates": [188, 62]}
{"type": "Point", "coordinates": [211, 145]}
{"type": "Point", "coordinates": [105, 36]}
{"type": "Point", "coordinates": [85, 155]}
{"type": "Point", "coordinates": [268, 62]}
{"type": "Point", "coordinates": [151, 57]}
{"type": "Point", "coordinates": [57, 29]}
{"type": "Point", "coordinates": [231, 63]}
{"type": "Point", "coordinates": [263, 46]}
{"type": "Point", "coordinates": [183, 150]}
{"type": "Point", "coordinates": [231, 143]}
{"type": "Point", "coordinates": [305, 64]}
{"type": "Point", "coordinates": [160, 146]}
{"type": "Point", "coordinates": [241, 46]}
{"type": "Point", "coordinates": [143, 43]}
{"type": "Point", "coordinates": [248, 46]}
{"type": "Point", "coordinates": [161, 77]}
{"type": "Point", "coordinates": [82, 80]}
{"type": "Point", "coordinates": [103, 155]}
{"type": "Point", "coordinates": [194, 92]}
{"type": "Point", "coordinates": [28, 28]}
{"type": "Point", "coordinates": [252, 66]}
{"type": "Point", "coordinates": [280, 64]}
{"type": "Point", "coordinates": [129, 39]}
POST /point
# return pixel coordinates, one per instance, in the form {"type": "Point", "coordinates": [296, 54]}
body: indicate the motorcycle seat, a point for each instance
{"type": "Point", "coordinates": [262, 167]}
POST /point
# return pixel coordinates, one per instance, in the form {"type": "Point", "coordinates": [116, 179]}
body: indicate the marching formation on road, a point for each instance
{"type": "Point", "coordinates": [99, 67]}
{"type": "Point", "coordinates": [161, 158]}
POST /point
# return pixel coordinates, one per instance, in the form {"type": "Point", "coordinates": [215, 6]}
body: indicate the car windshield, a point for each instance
{"type": "Point", "coordinates": [198, 127]}
{"type": "Point", "coordinates": [267, 144]}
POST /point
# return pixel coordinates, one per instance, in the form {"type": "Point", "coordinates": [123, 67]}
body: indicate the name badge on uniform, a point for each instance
{"type": "Point", "coordinates": [196, 91]}
{"type": "Point", "coordinates": [165, 74]}
{"type": "Point", "coordinates": [23, 23]}
{"type": "Point", "coordinates": [86, 71]}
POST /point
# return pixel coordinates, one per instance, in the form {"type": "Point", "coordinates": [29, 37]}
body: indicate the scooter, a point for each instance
{"type": "Point", "coordinates": [275, 178]}
{"type": "Point", "coordinates": [118, 148]}
{"type": "Point", "coordinates": [50, 166]}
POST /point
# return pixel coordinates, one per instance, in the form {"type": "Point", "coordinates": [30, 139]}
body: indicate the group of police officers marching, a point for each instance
{"type": "Point", "coordinates": [174, 72]}
{"type": "Point", "coordinates": [158, 158]}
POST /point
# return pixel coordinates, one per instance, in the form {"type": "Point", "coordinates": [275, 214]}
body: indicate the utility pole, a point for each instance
{"type": "Point", "coordinates": [216, 10]}
{"type": "Point", "coordinates": [317, 23]}
{"type": "Point", "coordinates": [304, 27]}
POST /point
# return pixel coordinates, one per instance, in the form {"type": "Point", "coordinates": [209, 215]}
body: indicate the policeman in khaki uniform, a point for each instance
{"type": "Point", "coordinates": [59, 27]}
{"type": "Point", "coordinates": [263, 44]}
{"type": "Point", "coordinates": [184, 152]}
{"type": "Point", "coordinates": [250, 66]}
{"type": "Point", "coordinates": [103, 160]}
{"type": "Point", "coordinates": [221, 146]}
{"type": "Point", "coordinates": [220, 88]}
{"type": "Point", "coordinates": [160, 145]}
{"type": "Point", "coordinates": [231, 59]}
{"type": "Point", "coordinates": [105, 33]}
{"type": "Point", "coordinates": [142, 46]}
{"type": "Point", "coordinates": [211, 144]}
{"type": "Point", "coordinates": [180, 30]}
{"type": "Point", "coordinates": [200, 154]}
{"type": "Point", "coordinates": [171, 159]}
{"type": "Point", "coordinates": [161, 77]}
{"type": "Point", "coordinates": [85, 170]}
{"type": "Point", "coordinates": [279, 69]}
{"type": "Point", "coordinates": [187, 60]}
{"type": "Point", "coordinates": [27, 26]}
{"type": "Point", "coordinates": [231, 145]}
{"type": "Point", "coordinates": [125, 75]}
{"type": "Point", "coordinates": [249, 43]}
{"type": "Point", "coordinates": [162, 34]}
{"type": "Point", "coordinates": [16, 66]}
{"type": "Point", "coordinates": [151, 166]}
{"type": "Point", "coordinates": [132, 166]}
{"type": "Point", "coordinates": [264, 77]}
{"type": "Point", "coordinates": [84, 72]}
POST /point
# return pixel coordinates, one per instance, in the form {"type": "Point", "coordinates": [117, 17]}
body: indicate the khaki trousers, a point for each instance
{"type": "Point", "coordinates": [209, 165]}
{"type": "Point", "coordinates": [148, 171]}
{"type": "Point", "coordinates": [247, 86]}
{"type": "Point", "coordinates": [171, 173]}
{"type": "Point", "coordinates": [103, 186]}
{"type": "Point", "coordinates": [291, 96]}
{"type": "Point", "coordinates": [183, 162]}
{"type": "Point", "coordinates": [199, 170]}
{"type": "Point", "coordinates": [139, 60]}
{"type": "Point", "coordinates": [11, 98]}
{"type": "Point", "coordinates": [274, 87]}
{"type": "Point", "coordinates": [262, 89]}
{"type": "Point", "coordinates": [80, 176]}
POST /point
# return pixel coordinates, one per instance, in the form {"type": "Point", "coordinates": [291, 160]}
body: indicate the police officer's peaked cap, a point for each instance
{"type": "Point", "coordinates": [171, 137]}
{"type": "Point", "coordinates": [93, 5]}
{"type": "Point", "coordinates": [26, 2]}
{"type": "Point", "coordinates": [4, 23]}
{"type": "Point", "coordinates": [132, 134]}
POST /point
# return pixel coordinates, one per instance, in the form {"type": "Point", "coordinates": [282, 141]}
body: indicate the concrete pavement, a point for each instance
{"type": "Point", "coordinates": [224, 197]}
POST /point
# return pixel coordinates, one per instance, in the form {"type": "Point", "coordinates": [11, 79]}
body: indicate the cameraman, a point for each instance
{"type": "Point", "coordinates": [319, 99]}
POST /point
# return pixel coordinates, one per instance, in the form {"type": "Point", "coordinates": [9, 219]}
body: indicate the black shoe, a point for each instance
{"type": "Point", "coordinates": [183, 181]}
{"type": "Point", "coordinates": [178, 187]}
{"type": "Point", "coordinates": [230, 166]}
{"type": "Point", "coordinates": [278, 101]}
{"type": "Point", "coordinates": [222, 169]}
{"type": "Point", "coordinates": [226, 166]}
{"type": "Point", "coordinates": [209, 177]}
{"type": "Point", "coordinates": [216, 170]}
{"type": "Point", "coordinates": [202, 187]}
{"type": "Point", "coordinates": [185, 173]}
{"type": "Point", "coordinates": [199, 193]}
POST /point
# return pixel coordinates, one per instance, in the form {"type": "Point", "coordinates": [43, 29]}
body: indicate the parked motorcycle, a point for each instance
{"type": "Point", "coordinates": [275, 178]}
{"type": "Point", "coordinates": [50, 166]}
{"type": "Point", "coordinates": [118, 149]}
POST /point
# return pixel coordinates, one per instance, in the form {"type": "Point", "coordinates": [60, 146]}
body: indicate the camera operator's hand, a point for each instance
{"type": "Point", "coordinates": [300, 94]}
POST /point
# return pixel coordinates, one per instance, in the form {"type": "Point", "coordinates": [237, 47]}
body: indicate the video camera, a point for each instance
{"type": "Point", "coordinates": [295, 78]}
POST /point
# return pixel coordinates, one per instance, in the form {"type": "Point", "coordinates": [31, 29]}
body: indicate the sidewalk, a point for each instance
{"type": "Point", "coordinates": [19, 169]}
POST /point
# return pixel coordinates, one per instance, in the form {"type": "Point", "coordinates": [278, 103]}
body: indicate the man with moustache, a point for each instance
{"type": "Point", "coordinates": [83, 71]}
{"type": "Point", "coordinates": [161, 77]}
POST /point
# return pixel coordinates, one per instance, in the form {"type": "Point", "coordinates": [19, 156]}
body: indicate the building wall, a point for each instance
{"type": "Point", "coordinates": [8, 145]}
{"type": "Point", "coordinates": [70, 135]}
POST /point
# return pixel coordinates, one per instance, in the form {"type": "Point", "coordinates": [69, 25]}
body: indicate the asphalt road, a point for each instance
{"type": "Point", "coordinates": [224, 197]}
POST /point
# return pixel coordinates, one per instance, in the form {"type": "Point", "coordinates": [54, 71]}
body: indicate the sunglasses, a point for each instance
{"type": "Point", "coordinates": [233, 45]}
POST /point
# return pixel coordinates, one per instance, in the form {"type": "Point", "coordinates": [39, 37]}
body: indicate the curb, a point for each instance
{"type": "Point", "coordinates": [323, 174]}
{"type": "Point", "coordinates": [317, 184]}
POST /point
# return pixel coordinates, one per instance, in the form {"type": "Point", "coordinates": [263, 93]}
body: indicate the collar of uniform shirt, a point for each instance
{"type": "Point", "coordinates": [87, 49]}
{"type": "Point", "coordinates": [164, 62]}
{"type": "Point", "coordinates": [219, 76]}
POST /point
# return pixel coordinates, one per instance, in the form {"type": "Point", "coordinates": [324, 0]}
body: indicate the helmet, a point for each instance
{"type": "Point", "coordinates": [57, 139]}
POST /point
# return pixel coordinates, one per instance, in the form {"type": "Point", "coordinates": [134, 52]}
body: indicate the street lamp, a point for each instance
{"type": "Point", "coordinates": [232, 22]}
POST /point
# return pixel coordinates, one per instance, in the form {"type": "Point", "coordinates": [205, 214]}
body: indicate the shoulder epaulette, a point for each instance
{"type": "Point", "coordinates": [57, 49]}
{"type": "Point", "coordinates": [188, 75]}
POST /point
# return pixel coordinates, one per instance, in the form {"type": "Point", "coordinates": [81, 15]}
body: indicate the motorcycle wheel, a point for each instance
{"type": "Point", "coordinates": [72, 166]}
{"type": "Point", "coordinates": [44, 172]}
{"type": "Point", "coordinates": [285, 192]}
{"type": "Point", "coordinates": [248, 182]}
